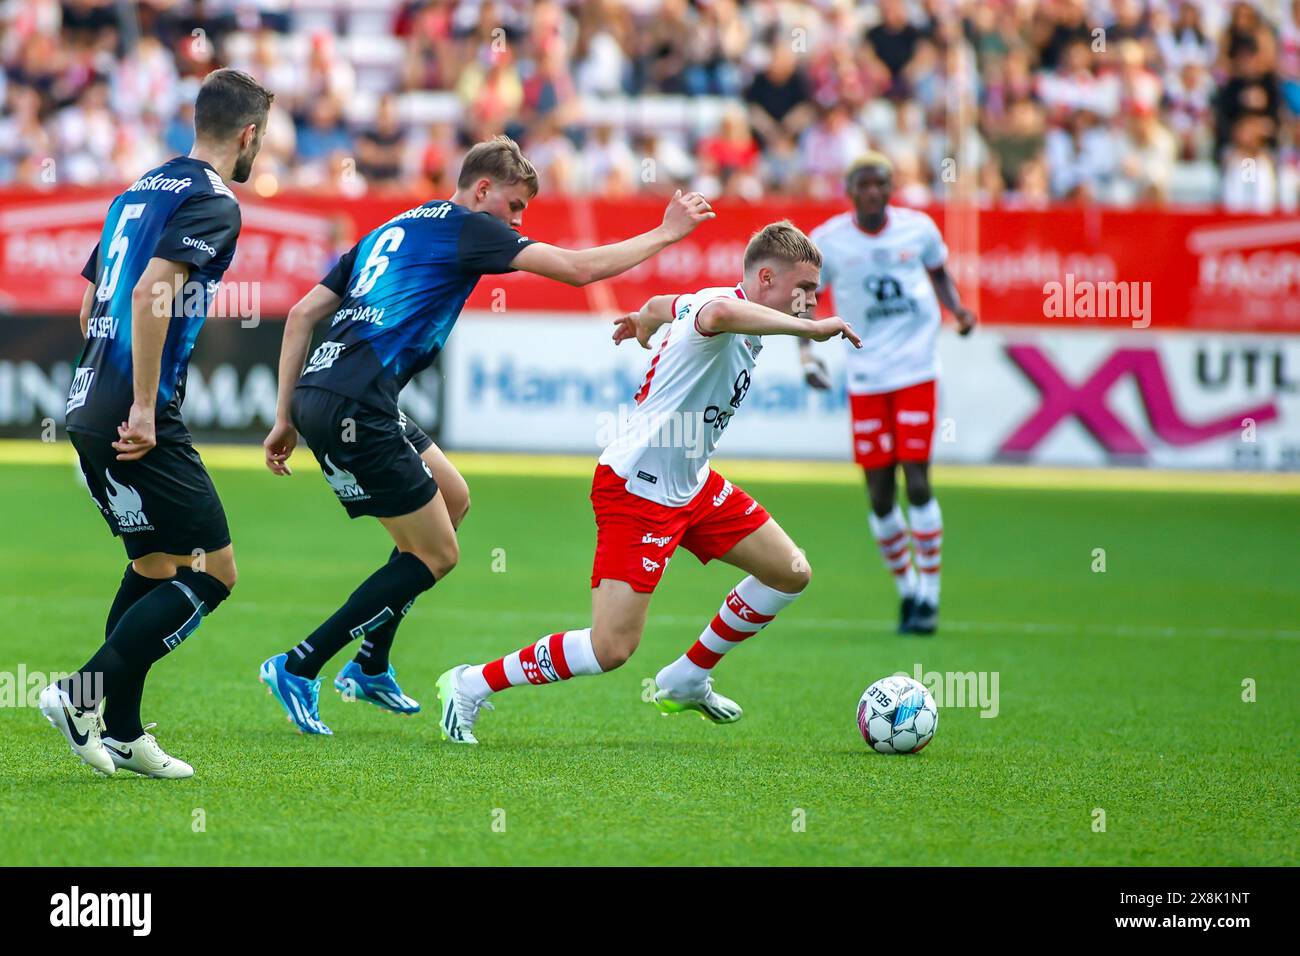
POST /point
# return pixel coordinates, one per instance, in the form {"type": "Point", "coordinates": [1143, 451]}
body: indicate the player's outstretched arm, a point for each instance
{"type": "Point", "coordinates": [946, 291]}
{"type": "Point", "coordinates": [310, 309]}
{"type": "Point", "coordinates": [643, 324]}
{"type": "Point", "coordinates": [580, 267]}
{"type": "Point", "coordinates": [749, 318]}
{"type": "Point", "coordinates": [151, 314]}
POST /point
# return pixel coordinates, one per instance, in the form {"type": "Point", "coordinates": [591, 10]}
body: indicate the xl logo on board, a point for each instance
{"type": "Point", "coordinates": [1061, 400]}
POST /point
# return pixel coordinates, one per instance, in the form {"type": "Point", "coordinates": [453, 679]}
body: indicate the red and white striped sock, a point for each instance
{"type": "Point", "coordinates": [927, 531]}
{"type": "Point", "coordinates": [554, 658]}
{"type": "Point", "coordinates": [895, 548]}
{"type": "Point", "coordinates": [748, 609]}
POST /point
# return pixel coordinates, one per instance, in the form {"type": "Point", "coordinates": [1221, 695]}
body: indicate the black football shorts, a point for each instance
{"type": "Point", "coordinates": [414, 434]}
{"type": "Point", "coordinates": [367, 455]}
{"type": "Point", "coordinates": [164, 502]}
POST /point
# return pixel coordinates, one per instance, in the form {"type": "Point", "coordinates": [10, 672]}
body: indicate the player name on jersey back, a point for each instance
{"type": "Point", "coordinates": [694, 383]}
{"type": "Point", "coordinates": [881, 286]}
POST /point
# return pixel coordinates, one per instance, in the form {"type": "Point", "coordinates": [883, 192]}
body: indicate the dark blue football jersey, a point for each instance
{"type": "Point", "coordinates": [403, 287]}
{"type": "Point", "coordinates": [181, 211]}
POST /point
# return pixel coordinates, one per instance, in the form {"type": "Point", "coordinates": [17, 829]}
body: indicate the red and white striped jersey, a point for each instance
{"type": "Point", "coordinates": [693, 385]}
{"type": "Point", "coordinates": [882, 288]}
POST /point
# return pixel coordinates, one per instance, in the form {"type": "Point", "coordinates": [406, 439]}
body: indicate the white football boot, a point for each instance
{"type": "Point", "coordinates": [460, 710]}
{"type": "Point", "coordinates": [702, 699]}
{"type": "Point", "coordinates": [145, 757]}
{"type": "Point", "coordinates": [80, 728]}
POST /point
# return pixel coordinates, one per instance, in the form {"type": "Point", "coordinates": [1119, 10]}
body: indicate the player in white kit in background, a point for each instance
{"type": "Point", "coordinates": [886, 268]}
{"type": "Point", "coordinates": [654, 490]}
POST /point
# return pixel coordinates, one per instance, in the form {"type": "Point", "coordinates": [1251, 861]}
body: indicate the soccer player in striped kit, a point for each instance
{"type": "Point", "coordinates": [654, 490]}
{"type": "Point", "coordinates": [886, 266]}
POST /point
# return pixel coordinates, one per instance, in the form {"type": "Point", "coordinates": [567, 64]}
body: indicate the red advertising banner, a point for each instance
{"type": "Point", "coordinates": [1072, 267]}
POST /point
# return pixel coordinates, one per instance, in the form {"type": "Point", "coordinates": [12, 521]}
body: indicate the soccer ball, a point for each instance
{"type": "Point", "coordinates": [897, 715]}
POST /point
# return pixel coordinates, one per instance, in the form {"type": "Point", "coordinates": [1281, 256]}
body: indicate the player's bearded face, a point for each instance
{"type": "Point", "coordinates": [244, 161]}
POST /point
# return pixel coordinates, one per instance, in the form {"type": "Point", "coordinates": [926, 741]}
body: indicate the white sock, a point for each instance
{"type": "Point", "coordinates": [748, 609]}
{"type": "Point", "coordinates": [554, 658]}
{"type": "Point", "coordinates": [895, 548]}
{"type": "Point", "coordinates": [927, 532]}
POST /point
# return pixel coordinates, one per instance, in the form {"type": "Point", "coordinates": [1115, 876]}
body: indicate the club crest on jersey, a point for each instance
{"type": "Point", "coordinates": [650, 566]}
{"type": "Point", "coordinates": [126, 504]}
{"type": "Point", "coordinates": [342, 481]}
{"type": "Point", "coordinates": [325, 355]}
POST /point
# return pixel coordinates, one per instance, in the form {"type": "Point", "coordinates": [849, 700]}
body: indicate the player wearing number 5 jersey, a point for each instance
{"type": "Point", "coordinates": [166, 243]}
{"type": "Point", "coordinates": [654, 490]}
{"type": "Point", "coordinates": [886, 267]}
{"type": "Point", "coordinates": [393, 300]}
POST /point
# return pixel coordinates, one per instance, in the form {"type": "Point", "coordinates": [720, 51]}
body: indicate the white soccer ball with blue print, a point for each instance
{"type": "Point", "coordinates": [897, 715]}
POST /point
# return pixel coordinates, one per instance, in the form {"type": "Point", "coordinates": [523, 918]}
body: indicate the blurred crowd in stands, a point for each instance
{"type": "Point", "coordinates": [1013, 102]}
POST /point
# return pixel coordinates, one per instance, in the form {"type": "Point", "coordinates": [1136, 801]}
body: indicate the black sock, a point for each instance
{"type": "Point", "coordinates": [377, 602]}
{"type": "Point", "coordinates": [122, 710]}
{"type": "Point", "coordinates": [375, 647]}
{"type": "Point", "coordinates": [133, 587]}
{"type": "Point", "coordinates": [153, 626]}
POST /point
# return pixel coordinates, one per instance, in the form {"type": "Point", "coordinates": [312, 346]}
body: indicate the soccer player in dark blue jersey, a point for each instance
{"type": "Point", "coordinates": [394, 299]}
{"type": "Point", "coordinates": [166, 243]}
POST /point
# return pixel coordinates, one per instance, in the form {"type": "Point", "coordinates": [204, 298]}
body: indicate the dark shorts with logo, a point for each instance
{"type": "Point", "coordinates": [164, 502]}
{"type": "Point", "coordinates": [414, 434]}
{"type": "Point", "coordinates": [368, 456]}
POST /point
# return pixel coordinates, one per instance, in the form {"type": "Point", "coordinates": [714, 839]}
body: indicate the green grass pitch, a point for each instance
{"type": "Point", "coordinates": [1118, 691]}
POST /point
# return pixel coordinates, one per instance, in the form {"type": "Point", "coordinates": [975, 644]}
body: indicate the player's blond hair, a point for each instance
{"type": "Point", "coordinates": [499, 159]}
{"type": "Point", "coordinates": [869, 160]}
{"type": "Point", "coordinates": [781, 242]}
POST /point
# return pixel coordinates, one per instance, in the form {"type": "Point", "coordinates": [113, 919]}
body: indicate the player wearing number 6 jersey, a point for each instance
{"type": "Point", "coordinates": [165, 246]}
{"type": "Point", "coordinates": [394, 299]}
{"type": "Point", "coordinates": [654, 490]}
{"type": "Point", "coordinates": [886, 267]}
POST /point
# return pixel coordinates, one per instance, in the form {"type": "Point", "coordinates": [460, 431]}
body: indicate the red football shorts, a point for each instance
{"type": "Point", "coordinates": [893, 426]}
{"type": "Point", "coordinates": [635, 537]}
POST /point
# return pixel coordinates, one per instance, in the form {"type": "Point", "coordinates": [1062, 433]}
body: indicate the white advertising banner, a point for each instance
{"type": "Point", "coordinates": [554, 383]}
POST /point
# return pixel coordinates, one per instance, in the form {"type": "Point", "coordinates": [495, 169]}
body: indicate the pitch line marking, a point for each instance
{"type": "Point", "coordinates": [250, 458]}
{"type": "Point", "coordinates": [1153, 631]}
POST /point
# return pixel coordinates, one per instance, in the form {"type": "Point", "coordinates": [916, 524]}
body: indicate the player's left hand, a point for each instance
{"type": "Point", "coordinates": [279, 445]}
{"type": "Point", "coordinates": [684, 213]}
{"type": "Point", "coordinates": [966, 321]}
{"type": "Point", "coordinates": [135, 436]}
{"type": "Point", "coordinates": [630, 326]}
{"type": "Point", "coordinates": [824, 329]}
